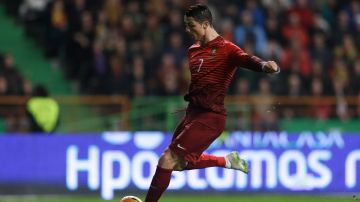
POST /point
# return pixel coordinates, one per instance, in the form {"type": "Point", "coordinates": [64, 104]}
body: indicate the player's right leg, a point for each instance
{"type": "Point", "coordinates": [161, 178]}
{"type": "Point", "coordinates": [168, 162]}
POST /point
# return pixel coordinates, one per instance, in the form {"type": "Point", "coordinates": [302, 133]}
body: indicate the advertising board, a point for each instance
{"type": "Point", "coordinates": [313, 162]}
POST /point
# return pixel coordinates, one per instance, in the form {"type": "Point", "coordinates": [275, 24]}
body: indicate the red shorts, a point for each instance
{"type": "Point", "coordinates": [195, 133]}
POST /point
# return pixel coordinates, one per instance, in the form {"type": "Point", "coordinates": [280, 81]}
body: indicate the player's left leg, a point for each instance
{"type": "Point", "coordinates": [197, 137]}
{"type": "Point", "coordinates": [231, 161]}
{"type": "Point", "coordinates": [199, 132]}
{"type": "Point", "coordinates": [206, 161]}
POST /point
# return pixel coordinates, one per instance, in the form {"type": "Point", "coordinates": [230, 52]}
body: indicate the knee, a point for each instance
{"type": "Point", "coordinates": [181, 165]}
{"type": "Point", "coordinates": [169, 160]}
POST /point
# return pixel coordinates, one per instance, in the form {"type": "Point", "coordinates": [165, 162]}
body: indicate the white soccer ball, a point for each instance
{"type": "Point", "coordinates": [130, 199]}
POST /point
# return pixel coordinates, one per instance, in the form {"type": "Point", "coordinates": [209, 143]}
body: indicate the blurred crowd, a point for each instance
{"type": "Point", "coordinates": [11, 80]}
{"type": "Point", "coordinates": [139, 48]}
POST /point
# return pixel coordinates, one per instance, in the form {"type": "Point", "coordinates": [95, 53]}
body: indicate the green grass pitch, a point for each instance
{"type": "Point", "coordinates": [191, 198]}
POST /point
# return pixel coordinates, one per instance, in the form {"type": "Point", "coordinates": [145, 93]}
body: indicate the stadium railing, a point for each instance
{"type": "Point", "coordinates": [109, 113]}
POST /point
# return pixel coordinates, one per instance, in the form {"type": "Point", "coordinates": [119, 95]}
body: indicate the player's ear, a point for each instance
{"type": "Point", "coordinates": [205, 25]}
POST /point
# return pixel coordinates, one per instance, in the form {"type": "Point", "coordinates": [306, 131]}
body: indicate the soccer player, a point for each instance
{"type": "Point", "coordinates": [212, 63]}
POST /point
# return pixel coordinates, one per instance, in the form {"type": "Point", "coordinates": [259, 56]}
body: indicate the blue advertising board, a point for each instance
{"type": "Point", "coordinates": [313, 162]}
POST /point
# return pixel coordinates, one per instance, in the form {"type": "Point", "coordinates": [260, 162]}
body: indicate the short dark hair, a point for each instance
{"type": "Point", "coordinates": [200, 13]}
{"type": "Point", "coordinates": [40, 91]}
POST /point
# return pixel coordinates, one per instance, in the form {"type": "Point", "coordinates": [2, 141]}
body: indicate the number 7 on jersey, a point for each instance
{"type": "Point", "coordinates": [201, 62]}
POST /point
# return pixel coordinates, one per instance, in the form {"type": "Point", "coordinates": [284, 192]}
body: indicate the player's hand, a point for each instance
{"type": "Point", "coordinates": [271, 67]}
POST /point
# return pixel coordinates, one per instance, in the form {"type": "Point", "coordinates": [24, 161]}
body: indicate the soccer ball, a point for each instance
{"type": "Point", "coordinates": [130, 199]}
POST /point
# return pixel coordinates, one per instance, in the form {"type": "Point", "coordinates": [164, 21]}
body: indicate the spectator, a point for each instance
{"type": "Point", "coordinates": [248, 31]}
{"type": "Point", "coordinates": [12, 83]}
{"type": "Point", "coordinates": [57, 32]}
{"type": "Point", "coordinates": [168, 76]}
{"type": "Point", "coordinates": [155, 31]}
{"type": "Point", "coordinates": [133, 10]}
{"type": "Point", "coordinates": [138, 74]}
{"type": "Point", "coordinates": [296, 58]}
{"type": "Point", "coordinates": [257, 12]}
{"type": "Point", "coordinates": [342, 27]}
{"type": "Point", "coordinates": [319, 49]}
{"type": "Point", "coordinates": [272, 26]}
{"type": "Point", "coordinates": [319, 109]}
{"type": "Point", "coordinates": [242, 114]}
{"type": "Point", "coordinates": [118, 82]}
{"type": "Point", "coordinates": [295, 86]}
{"type": "Point", "coordinates": [43, 111]}
{"type": "Point", "coordinates": [340, 75]}
{"type": "Point", "coordinates": [114, 11]}
{"type": "Point", "coordinates": [99, 70]}
{"type": "Point", "coordinates": [318, 71]}
{"type": "Point", "coordinates": [12, 76]}
{"type": "Point", "coordinates": [355, 78]}
{"type": "Point", "coordinates": [83, 46]}
{"type": "Point", "coordinates": [303, 10]}
{"type": "Point", "coordinates": [176, 47]}
{"type": "Point", "coordinates": [265, 118]}
{"type": "Point", "coordinates": [346, 50]}
{"type": "Point", "coordinates": [227, 30]}
{"type": "Point", "coordinates": [353, 11]}
{"type": "Point", "coordinates": [242, 87]}
{"type": "Point", "coordinates": [175, 23]}
{"type": "Point", "coordinates": [294, 30]}
{"type": "Point", "coordinates": [3, 86]}
{"type": "Point", "coordinates": [273, 51]}
{"type": "Point", "coordinates": [27, 87]}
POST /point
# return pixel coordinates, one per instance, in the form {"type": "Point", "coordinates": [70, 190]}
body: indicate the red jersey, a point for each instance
{"type": "Point", "coordinates": [212, 68]}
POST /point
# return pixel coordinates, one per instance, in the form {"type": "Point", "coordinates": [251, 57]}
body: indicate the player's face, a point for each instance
{"type": "Point", "coordinates": [194, 29]}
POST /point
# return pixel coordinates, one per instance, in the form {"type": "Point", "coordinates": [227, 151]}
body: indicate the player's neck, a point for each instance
{"type": "Point", "coordinates": [211, 35]}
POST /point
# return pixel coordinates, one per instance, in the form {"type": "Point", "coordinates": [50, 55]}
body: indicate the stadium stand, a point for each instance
{"type": "Point", "coordinates": [138, 48]}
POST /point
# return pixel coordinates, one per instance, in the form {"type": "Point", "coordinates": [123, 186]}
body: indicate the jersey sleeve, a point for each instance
{"type": "Point", "coordinates": [240, 58]}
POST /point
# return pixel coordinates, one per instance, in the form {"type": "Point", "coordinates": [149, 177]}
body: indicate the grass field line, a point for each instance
{"type": "Point", "coordinates": [212, 197]}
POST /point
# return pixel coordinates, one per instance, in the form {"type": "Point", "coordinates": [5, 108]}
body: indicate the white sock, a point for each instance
{"type": "Point", "coordinates": [227, 163]}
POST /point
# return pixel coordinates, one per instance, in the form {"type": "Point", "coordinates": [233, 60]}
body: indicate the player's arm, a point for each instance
{"type": "Point", "coordinates": [241, 59]}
